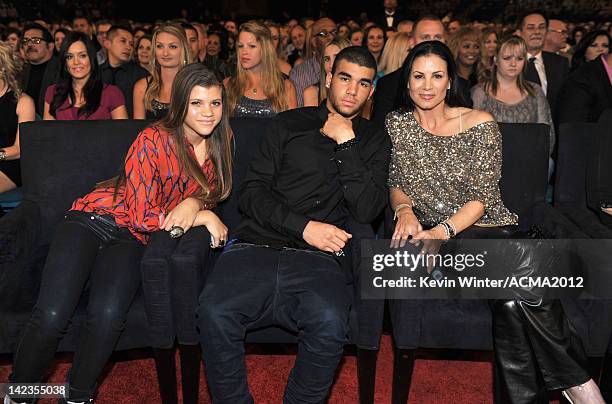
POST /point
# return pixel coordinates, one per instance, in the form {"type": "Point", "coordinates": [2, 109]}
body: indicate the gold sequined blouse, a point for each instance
{"type": "Point", "coordinates": [440, 174]}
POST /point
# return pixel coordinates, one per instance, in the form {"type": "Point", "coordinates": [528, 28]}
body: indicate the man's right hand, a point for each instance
{"type": "Point", "coordinates": [325, 237]}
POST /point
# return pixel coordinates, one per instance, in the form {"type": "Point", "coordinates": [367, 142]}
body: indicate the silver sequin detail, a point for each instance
{"type": "Point", "coordinates": [248, 107]}
{"type": "Point", "coordinates": [442, 173]}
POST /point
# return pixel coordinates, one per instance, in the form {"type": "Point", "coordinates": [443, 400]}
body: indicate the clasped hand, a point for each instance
{"type": "Point", "coordinates": [325, 237]}
{"type": "Point", "coordinates": [338, 128]}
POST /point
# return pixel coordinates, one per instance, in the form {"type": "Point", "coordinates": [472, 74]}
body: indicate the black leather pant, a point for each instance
{"type": "Point", "coordinates": [536, 347]}
{"type": "Point", "coordinates": [84, 251]}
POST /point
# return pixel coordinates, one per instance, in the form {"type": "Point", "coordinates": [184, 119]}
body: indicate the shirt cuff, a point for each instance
{"type": "Point", "coordinates": [294, 225]}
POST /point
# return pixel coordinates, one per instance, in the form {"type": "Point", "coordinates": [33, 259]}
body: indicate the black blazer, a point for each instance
{"type": "Point", "coordinates": [586, 94]}
{"type": "Point", "coordinates": [386, 96]}
{"type": "Point", "coordinates": [381, 18]}
{"type": "Point", "coordinates": [49, 77]}
{"type": "Point", "coordinates": [557, 69]}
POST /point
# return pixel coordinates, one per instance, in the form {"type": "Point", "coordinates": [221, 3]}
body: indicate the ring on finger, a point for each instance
{"type": "Point", "coordinates": [176, 231]}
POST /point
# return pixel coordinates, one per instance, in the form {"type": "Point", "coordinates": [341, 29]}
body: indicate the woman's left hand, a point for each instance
{"type": "Point", "coordinates": [431, 240]}
{"type": "Point", "coordinates": [183, 215]}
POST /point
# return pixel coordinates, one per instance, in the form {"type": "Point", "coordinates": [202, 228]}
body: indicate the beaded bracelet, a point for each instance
{"type": "Point", "coordinates": [346, 145]}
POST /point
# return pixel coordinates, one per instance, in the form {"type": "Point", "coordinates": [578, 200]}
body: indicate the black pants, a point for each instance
{"type": "Point", "coordinates": [254, 286]}
{"type": "Point", "coordinates": [81, 251]}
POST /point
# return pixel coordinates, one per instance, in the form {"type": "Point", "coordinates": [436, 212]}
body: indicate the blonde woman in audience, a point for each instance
{"type": "Point", "coordinates": [15, 107]}
{"type": "Point", "coordinates": [394, 54]}
{"type": "Point", "coordinates": [171, 52]}
{"type": "Point", "coordinates": [259, 88]}
{"type": "Point", "coordinates": [488, 49]}
{"type": "Point", "coordinates": [314, 95]}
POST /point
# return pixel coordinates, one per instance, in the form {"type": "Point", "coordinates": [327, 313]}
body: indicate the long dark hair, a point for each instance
{"type": "Point", "coordinates": [579, 57]}
{"type": "Point", "coordinates": [453, 96]}
{"type": "Point", "coordinates": [218, 144]}
{"type": "Point", "coordinates": [92, 91]}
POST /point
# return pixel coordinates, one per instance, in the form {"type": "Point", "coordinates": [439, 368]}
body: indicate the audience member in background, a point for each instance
{"type": "Point", "coordinates": [465, 46]}
{"type": "Point", "coordinates": [356, 37]}
{"type": "Point", "coordinates": [231, 27]}
{"type": "Point", "coordinates": [543, 68]}
{"type": "Point", "coordinates": [394, 54]}
{"type": "Point", "coordinates": [374, 41]}
{"type": "Point", "coordinates": [488, 49]}
{"type": "Point", "coordinates": [171, 53]}
{"type": "Point", "coordinates": [144, 50]}
{"type": "Point", "coordinates": [139, 33]}
{"type": "Point", "coordinates": [259, 88]}
{"type": "Point", "coordinates": [15, 107]}
{"type": "Point", "coordinates": [505, 94]}
{"type": "Point", "coordinates": [202, 41]}
{"type": "Point", "coordinates": [343, 31]}
{"type": "Point", "coordinates": [577, 34]}
{"type": "Point", "coordinates": [191, 33]}
{"type": "Point", "coordinates": [556, 37]}
{"type": "Point", "coordinates": [41, 68]}
{"type": "Point", "coordinates": [435, 197]}
{"type": "Point", "coordinates": [405, 26]}
{"type": "Point", "coordinates": [102, 27]}
{"type": "Point", "coordinates": [79, 93]}
{"type": "Point", "coordinates": [119, 69]}
{"type": "Point", "coordinates": [171, 299]}
{"type": "Point", "coordinates": [58, 39]}
{"type": "Point", "coordinates": [11, 37]}
{"type": "Point", "coordinates": [173, 170]}
{"type": "Point", "coordinates": [587, 92]}
{"type": "Point", "coordinates": [391, 15]}
{"type": "Point", "coordinates": [453, 27]}
{"type": "Point", "coordinates": [283, 66]}
{"type": "Point", "coordinates": [594, 44]}
{"type": "Point", "coordinates": [386, 96]}
{"type": "Point", "coordinates": [216, 57]}
{"type": "Point", "coordinates": [308, 72]}
{"type": "Point", "coordinates": [82, 24]}
{"type": "Point", "coordinates": [314, 95]}
{"type": "Point", "coordinates": [298, 40]}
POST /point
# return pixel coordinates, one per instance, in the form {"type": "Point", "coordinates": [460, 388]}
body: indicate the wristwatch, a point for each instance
{"type": "Point", "coordinates": [2, 154]}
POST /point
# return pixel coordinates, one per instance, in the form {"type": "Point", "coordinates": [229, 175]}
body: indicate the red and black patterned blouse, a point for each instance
{"type": "Point", "coordinates": [155, 184]}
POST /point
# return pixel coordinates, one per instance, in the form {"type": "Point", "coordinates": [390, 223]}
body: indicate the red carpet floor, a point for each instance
{"type": "Point", "coordinates": [434, 381]}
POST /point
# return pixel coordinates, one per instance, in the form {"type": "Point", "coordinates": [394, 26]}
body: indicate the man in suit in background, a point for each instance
{"type": "Point", "coordinates": [426, 28]}
{"type": "Point", "coordinates": [587, 92]}
{"type": "Point", "coordinates": [544, 68]}
{"type": "Point", "coordinates": [391, 15]}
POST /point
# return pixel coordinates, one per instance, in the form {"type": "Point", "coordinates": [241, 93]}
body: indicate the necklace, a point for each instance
{"type": "Point", "coordinates": [254, 90]}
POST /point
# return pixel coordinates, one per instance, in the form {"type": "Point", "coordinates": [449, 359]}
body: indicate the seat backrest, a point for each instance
{"type": "Point", "coordinates": [575, 142]}
{"type": "Point", "coordinates": [247, 132]}
{"type": "Point", "coordinates": [524, 168]}
{"type": "Point", "coordinates": [63, 160]}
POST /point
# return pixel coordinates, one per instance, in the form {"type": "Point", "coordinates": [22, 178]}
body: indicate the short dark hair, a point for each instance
{"type": "Point", "coordinates": [112, 31]}
{"type": "Point", "coordinates": [527, 13]}
{"type": "Point", "coordinates": [453, 96]}
{"type": "Point", "coordinates": [355, 54]}
{"type": "Point", "coordinates": [186, 26]}
{"type": "Point", "coordinates": [100, 22]}
{"type": "Point", "coordinates": [46, 35]}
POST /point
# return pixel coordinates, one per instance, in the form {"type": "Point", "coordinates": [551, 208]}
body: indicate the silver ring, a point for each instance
{"type": "Point", "coordinates": [176, 231]}
{"type": "Point", "coordinates": [339, 253]}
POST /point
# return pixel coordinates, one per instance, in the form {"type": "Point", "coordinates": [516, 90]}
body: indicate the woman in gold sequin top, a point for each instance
{"type": "Point", "coordinates": [444, 180]}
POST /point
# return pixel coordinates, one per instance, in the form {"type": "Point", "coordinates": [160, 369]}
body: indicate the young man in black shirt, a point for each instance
{"type": "Point", "coordinates": [316, 169]}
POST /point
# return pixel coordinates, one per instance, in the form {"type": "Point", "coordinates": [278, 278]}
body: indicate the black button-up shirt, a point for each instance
{"type": "Point", "coordinates": [297, 176]}
{"type": "Point", "coordinates": [124, 76]}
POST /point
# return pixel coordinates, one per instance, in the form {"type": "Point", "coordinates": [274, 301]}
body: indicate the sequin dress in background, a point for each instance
{"type": "Point", "coordinates": [440, 174]}
{"type": "Point", "coordinates": [248, 107]}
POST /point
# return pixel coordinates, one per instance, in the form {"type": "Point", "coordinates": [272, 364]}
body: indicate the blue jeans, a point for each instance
{"type": "Point", "coordinates": [256, 286]}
